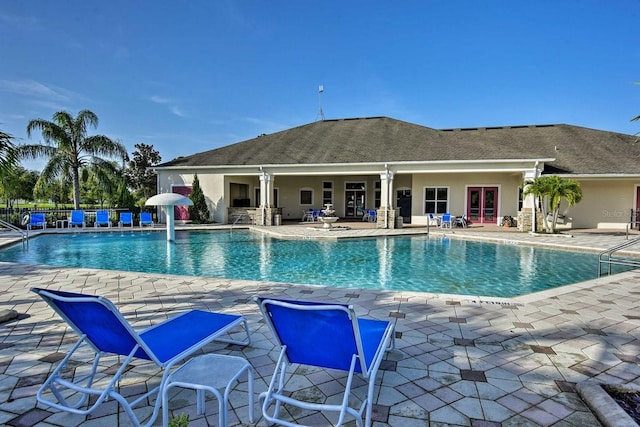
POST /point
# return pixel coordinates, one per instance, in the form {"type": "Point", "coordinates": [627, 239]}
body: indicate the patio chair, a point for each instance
{"type": "Point", "coordinates": [102, 219]}
{"type": "Point", "coordinates": [434, 220]}
{"type": "Point", "coordinates": [77, 219]}
{"type": "Point", "coordinates": [126, 218]}
{"type": "Point", "coordinates": [307, 216]}
{"type": "Point", "coordinates": [461, 221]}
{"type": "Point", "coordinates": [37, 220]}
{"type": "Point", "coordinates": [372, 215]}
{"type": "Point", "coordinates": [105, 332]}
{"type": "Point", "coordinates": [146, 219]}
{"type": "Point", "coordinates": [324, 335]}
{"type": "Point", "coordinates": [447, 220]}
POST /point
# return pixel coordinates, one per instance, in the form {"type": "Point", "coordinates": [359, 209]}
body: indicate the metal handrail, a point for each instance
{"type": "Point", "coordinates": [23, 234]}
{"type": "Point", "coordinates": [606, 257]}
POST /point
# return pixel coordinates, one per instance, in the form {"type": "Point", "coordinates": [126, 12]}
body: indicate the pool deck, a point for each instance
{"type": "Point", "coordinates": [459, 360]}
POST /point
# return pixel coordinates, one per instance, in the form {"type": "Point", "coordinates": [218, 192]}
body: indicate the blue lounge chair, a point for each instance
{"type": "Point", "coordinates": [36, 220]}
{"type": "Point", "coordinates": [324, 335]}
{"type": "Point", "coordinates": [105, 332]}
{"type": "Point", "coordinates": [102, 219]}
{"type": "Point", "coordinates": [77, 219]}
{"type": "Point", "coordinates": [145, 219]}
{"type": "Point", "coordinates": [126, 218]}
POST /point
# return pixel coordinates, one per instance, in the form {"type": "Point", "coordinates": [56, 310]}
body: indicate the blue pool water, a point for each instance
{"type": "Point", "coordinates": [417, 263]}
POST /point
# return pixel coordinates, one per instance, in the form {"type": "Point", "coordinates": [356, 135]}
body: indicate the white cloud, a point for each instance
{"type": "Point", "coordinates": [171, 105]}
{"type": "Point", "coordinates": [35, 89]}
{"type": "Point", "coordinates": [159, 100]}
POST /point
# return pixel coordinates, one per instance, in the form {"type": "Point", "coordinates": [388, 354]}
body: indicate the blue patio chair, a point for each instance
{"type": "Point", "coordinates": [447, 221]}
{"type": "Point", "coordinates": [372, 215]}
{"type": "Point", "coordinates": [105, 332]}
{"type": "Point", "coordinates": [102, 219]}
{"type": "Point", "coordinates": [146, 219]}
{"type": "Point", "coordinates": [37, 220]}
{"type": "Point", "coordinates": [77, 219]}
{"type": "Point", "coordinates": [126, 218]}
{"type": "Point", "coordinates": [325, 335]}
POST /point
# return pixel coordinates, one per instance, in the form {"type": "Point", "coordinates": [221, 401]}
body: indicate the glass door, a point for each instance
{"type": "Point", "coordinates": [482, 204]}
{"type": "Point", "coordinates": [354, 197]}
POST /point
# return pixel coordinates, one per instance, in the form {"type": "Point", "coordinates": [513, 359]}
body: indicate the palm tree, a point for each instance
{"type": "Point", "coordinates": [552, 190]}
{"type": "Point", "coordinates": [7, 153]}
{"type": "Point", "coordinates": [69, 149]}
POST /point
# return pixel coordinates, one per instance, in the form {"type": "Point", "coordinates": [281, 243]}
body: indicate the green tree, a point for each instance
{"type": "Point", "coordinates": [69, 149]}
{"type": "Point", "coordinates": [59, 191]}
{"type": "Point", "coordinates": [7, 153]}
{"type": "Point", "coordinates": [98, 187]}
{"type": "Point", "coordinates": [122, 197]}
{"type": "Point", "coordinates": [552, 190]}
{"type": "Point", "coordinates": [140, 177]}
{"type": "Point", "coordinates": [18, 183]}
{"type": "Point", "coordinates": [198, 212]}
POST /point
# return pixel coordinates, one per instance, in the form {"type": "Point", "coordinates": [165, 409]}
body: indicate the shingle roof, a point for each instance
{"type": "Point", "coordinates": [577, 150]}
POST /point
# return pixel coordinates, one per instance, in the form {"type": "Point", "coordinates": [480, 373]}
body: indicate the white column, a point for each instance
{"type": "Point", "coordinates": [386, 195]}
{"type": "Point", "coordinates": [530, 201]}
{"type": "Point", "coordinates": [266, 190]}
{"type": "Point", "coordinates": [386, 189]}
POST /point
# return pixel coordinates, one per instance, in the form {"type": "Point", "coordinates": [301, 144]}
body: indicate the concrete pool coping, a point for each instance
{"type": "Point", "coordinates": [533, 350]}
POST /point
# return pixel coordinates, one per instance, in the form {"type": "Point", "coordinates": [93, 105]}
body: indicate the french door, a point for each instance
{"type": "Point", "coordinates": [354, 197]}
{"type": "Point", "coordinates": [482, 204]}
{"type": "Point", "coordinates": [181, 213]}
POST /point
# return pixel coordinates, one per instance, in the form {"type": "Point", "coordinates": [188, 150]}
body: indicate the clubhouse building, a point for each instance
{"type": "Point", "coordinates": [408, 173]}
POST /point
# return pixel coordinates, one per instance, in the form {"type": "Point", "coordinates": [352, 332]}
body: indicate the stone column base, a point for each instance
{"type": "Point", "coordinates": [389, 214]}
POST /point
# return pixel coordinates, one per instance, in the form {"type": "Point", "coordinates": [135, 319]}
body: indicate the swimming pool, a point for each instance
{"type": "Point", "coordinates": [416, 263]}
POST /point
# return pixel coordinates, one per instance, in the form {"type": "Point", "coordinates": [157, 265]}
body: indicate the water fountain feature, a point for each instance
{"type": "Point", "coordinates": [328, 216]}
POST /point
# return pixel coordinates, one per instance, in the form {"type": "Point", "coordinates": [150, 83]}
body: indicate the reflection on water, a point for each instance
{"type": "Point", "coordinates": [418, 263]}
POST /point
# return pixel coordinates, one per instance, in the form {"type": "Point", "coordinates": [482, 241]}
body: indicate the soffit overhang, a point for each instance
{"type": "Point", "coordinates": [437, 166]}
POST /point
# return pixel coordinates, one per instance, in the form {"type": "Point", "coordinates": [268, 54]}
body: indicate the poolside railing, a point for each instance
{"type": "Point", "coordinates": [606, 258]}
{"type": "Point", "coordinates": [24, 234]}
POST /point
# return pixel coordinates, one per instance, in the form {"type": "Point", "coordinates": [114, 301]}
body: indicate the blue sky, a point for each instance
{"type": "Point", "coordinates": [190, 76]}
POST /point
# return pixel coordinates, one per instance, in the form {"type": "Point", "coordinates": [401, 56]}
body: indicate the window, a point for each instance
{"type": "Point", "coordinates": [306, 197]}
{"type": "Point", "coordinates": [520, 199]}
{"type": "Point", "coordinates": [327, 192]}
{"type": "Point", "coordinates": [436, 200]}
{"type": "Point", "coordinates": [377, 195]}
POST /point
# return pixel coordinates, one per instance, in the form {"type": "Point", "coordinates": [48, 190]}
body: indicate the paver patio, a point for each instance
{"type": "Point", "coordinates": [459, 360]}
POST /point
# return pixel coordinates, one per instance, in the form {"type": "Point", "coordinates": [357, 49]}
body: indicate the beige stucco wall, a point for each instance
{"type": "Point", "coordinates": [605, 204]}
{"type": "Point", "coordinates": [458, 183]}
{"type": "Point", "coordinates": [212, 187]}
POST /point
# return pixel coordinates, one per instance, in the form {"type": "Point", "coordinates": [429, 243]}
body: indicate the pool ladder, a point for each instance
{"type": "Point", "coordinates": [607, 258]}
{"type": "Point", "coordinates": [23, 234]}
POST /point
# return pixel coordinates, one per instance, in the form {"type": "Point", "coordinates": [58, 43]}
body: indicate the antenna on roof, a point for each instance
{"type": "Point", "coordinates": [320, 115]}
